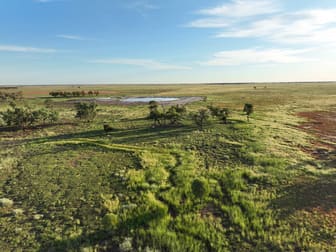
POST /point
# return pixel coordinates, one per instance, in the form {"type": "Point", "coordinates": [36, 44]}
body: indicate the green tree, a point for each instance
{"type": "Point", "coordinates": [23, 117]}
{"type": "Point", "coordinates": [248, 109]}
{"type": "Point", "coordinates": [220, 113]}
{"type": "Point", "coordinates": [53, 116]}
{"type": "Point", "coordinates": [86, 111]}
{"type": "Point", "coordinates": [19, 116]}
{"type": "Point", "coordinates": [201, 118]}
{"type": "Point", "coordinates": [175, 114]}
{"type": "Point", "coordinates": [154, 113]}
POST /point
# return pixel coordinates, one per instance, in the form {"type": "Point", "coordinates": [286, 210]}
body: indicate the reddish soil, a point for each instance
{"type": "Point", "coordinates": [319, 195]}
{"type": "Point", "coordinates": [322, 125]}
{"type": "Point", "coordinates": [330, 220]}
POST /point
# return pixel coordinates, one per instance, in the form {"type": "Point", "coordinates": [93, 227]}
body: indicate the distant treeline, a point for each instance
{"type": "Point", "coordinates": [8, 87]}
{"type": "Point", "coordinates": [10, 95]}
{"type": "Point", "coordinates": [73, 93]}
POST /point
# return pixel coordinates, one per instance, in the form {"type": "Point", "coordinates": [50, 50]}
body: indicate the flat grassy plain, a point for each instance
{"type": "Point", "coordinates": [270, 182]}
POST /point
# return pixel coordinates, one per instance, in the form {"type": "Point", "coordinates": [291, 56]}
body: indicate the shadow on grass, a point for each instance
{"type": "Point", "coordinates": [147, 134]}
{"type": "Point", "coordinates": [80, 242]}
{"type": "Point", "coordinates": [35, 127]}
{"type": "Point", "coordinates": [123, 136]}
{"type": "Point", "coordinates": [308, 194]}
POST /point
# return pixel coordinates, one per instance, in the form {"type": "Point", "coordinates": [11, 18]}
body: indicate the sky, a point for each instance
{"type": "Point", "coordinates": [159, 41]}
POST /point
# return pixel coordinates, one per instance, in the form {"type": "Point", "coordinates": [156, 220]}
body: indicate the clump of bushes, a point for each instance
{"type": "Point", "coordinates": [248, 109]}
{"type": "Point", "coordinates": [173, 116]}
{"type": "Point", "coordinates": [24, 117]}
{"type": "Point", "coordinates": [220, 113]}
{"type": "Point", "coordinates": [10, 95]}
{"type": "Point", "coordinates": [201, 118]}
{"type": "Point", "coordinates": [86, 111]}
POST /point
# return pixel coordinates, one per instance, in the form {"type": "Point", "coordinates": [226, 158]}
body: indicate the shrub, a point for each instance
{"type": "Point", "coordinates": [201, 118]}
{"type": "Point", "coordinates": [220, 113]}
{"type": "Point", "coordinates": [110, 221]}
{"type": "Point", "coordinates": [175, 114]}
{"type": "Point", "coordinates": [248, 109]}
{"type": "Point", "coordinates": [107, 128]}
{"type": "Point", "coordinates": [86, 111]}
{"type": "Point", "coordinates": [10, 96]}
{"type": "Point", "coordinates": [154, 113]}
{"type": "Point", "coordinates": [126, 245]}
{"type": "Point", "coordinates": [200, 188]}
{"type": "Point", "coordinates": [25, 116]}
{"type": "Point", "coordinates": [156, 175]}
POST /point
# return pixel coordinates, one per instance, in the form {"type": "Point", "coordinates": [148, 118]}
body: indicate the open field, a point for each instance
{"type": "Point", "coordinates": [267, 184]}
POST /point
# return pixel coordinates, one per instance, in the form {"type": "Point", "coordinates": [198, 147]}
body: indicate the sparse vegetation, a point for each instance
{"type": "Point", "coordinates": [224, 185]}
{"type": "Point", "coordinates": [201, 118]}
{"type": "Point", "coordinates": [86, 111]}
{"type": "Point", "coordinates": [5, 96]}
{"type": "Point", "coordinates": [248, 109]}
{"type": "Point", "coordinates": [23, 116]}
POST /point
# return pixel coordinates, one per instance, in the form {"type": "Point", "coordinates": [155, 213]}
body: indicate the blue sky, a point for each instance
{"type": "Point", "coordinates": [176, 41]}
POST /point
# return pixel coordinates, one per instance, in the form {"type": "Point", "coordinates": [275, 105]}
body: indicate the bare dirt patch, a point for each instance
{"type": "Point", "coordinates": [321, 124]}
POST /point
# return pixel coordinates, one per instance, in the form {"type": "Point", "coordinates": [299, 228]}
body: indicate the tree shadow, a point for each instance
{"type": "Point", "coordinates": [308, 194]}
{"type": "Point", "coordinates": [35, 127]}
{"type": "Point", "coordinates": [122, 136]}
{"type": "Point", "coordinates": [143, 135]}
{"type": "Point", "coordinates": [77, 243]}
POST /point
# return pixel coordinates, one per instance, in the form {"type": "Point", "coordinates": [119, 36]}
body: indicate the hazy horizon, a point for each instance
{"type": "Point", "coordinates": [48, 42]}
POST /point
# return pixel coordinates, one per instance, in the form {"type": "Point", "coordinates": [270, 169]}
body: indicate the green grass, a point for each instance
{"type": "Point", "coordinates": [77, 188]}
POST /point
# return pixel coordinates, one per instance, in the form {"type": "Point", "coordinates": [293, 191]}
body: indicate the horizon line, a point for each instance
{"type": "Point", "coordinates": [167, 83]}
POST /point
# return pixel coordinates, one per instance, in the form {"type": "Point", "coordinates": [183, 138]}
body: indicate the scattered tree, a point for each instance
{"type": "Point", "coordinates": [175, 114]}
{"type": "Point", "coordinates": [248, 109]}
{"type": "Point", "coordinates": [5, 96]}
{"type": "Point", "coordinates": [24, 117]}
{"type": "Point", "coordinates": [220, 113]}
{"type": "Point", "coordinates": [154, 113]}
{"type": "Point", "coordinates": [86, 111]}
{"type": "Point", "coordinates": [201, 118]}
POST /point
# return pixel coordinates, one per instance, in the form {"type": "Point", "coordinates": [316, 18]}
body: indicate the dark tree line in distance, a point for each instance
{"type": "Point", "coordinates": [73, 93]}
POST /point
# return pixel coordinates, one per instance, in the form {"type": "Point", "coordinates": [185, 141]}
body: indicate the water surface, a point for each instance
{"type": "Point", "coordinates": [148, 99]}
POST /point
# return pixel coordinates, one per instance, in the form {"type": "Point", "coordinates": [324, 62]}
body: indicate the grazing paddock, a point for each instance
{"type": "Point", "coordinates": [157, 179]}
